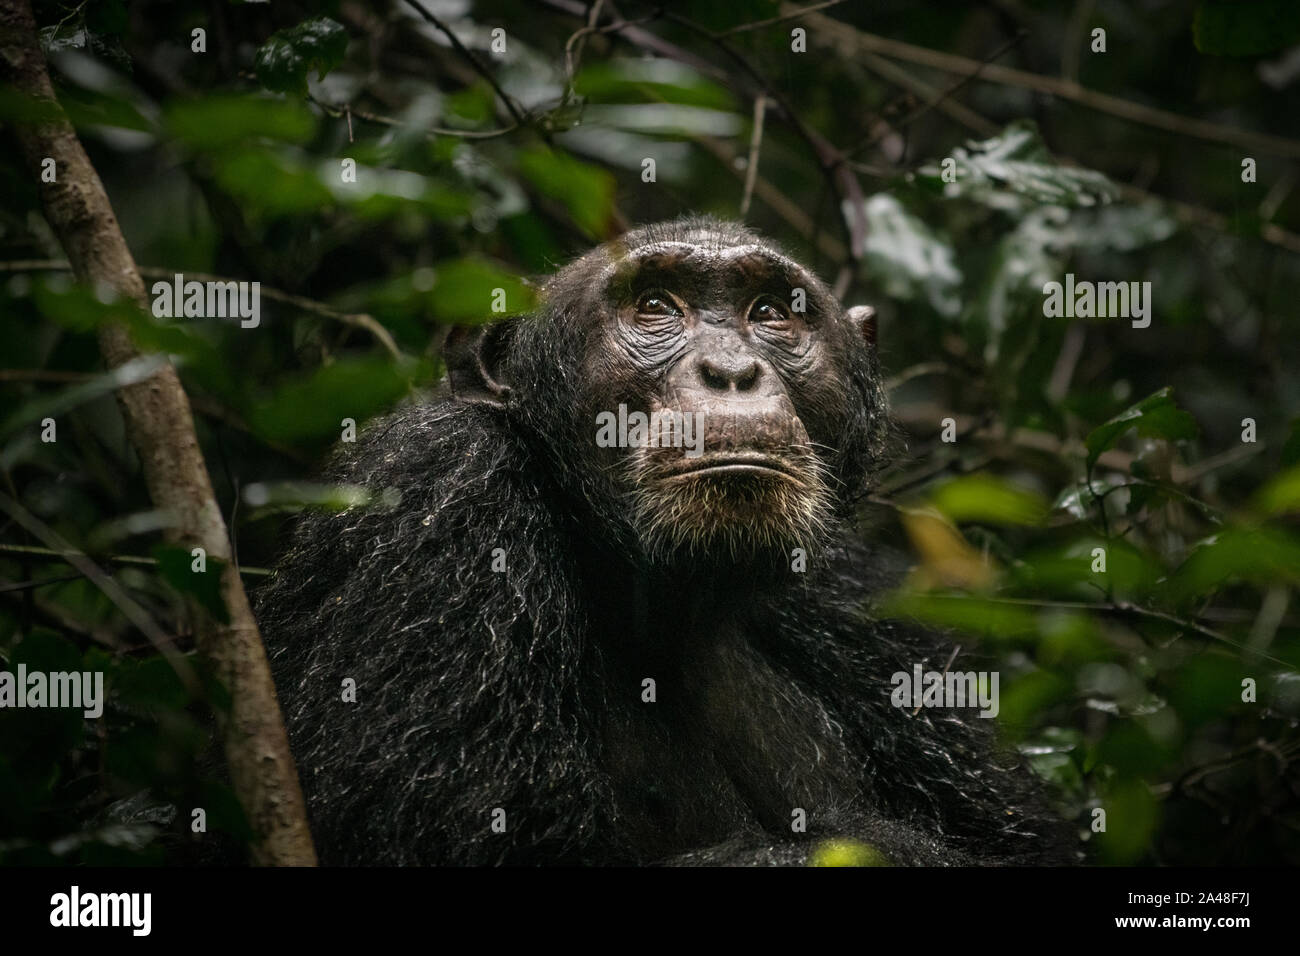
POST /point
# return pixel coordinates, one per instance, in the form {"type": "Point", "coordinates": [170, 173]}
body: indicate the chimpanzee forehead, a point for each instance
{"type": "Point", "coordinates": [747, 263]}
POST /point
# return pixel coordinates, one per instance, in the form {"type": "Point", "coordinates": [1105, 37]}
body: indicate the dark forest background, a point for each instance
{"type": "Point", "coordinates": [1162, 690]}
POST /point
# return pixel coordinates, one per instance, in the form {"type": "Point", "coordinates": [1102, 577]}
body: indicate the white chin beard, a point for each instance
{"type": "Point", "coordinates": [727, 515]}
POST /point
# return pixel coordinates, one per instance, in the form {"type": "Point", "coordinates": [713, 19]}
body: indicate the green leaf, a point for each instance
{"type": "Point", "coordinates": [1121, 227]}
{"type": "Point", "coordinates": [1291, 448]}
{"type": "Point", "coordinates": [1069, 639]}
{"type": "Point", "coordinates": [293, 496]}
{"type": "Point", "coordinates": [992, 619]}
{"type": "Point", "coordinates": [272, 185]}
{"type": "Point", "coordinates": [75, 306]}
{"type": "Point", "coordinates": [472, 106]}
{"type": "Point", "coordinates": [586, 191]}
{"type": "Point", "coordinates": [1078, 499]}
{"type": "Point", "coordinates": [1245, 27]}
{"type": "Point", "coordinates": [847, 853]}
{"type": "Point", "coordinates": [1206, 688]}
{"type": "Point", "coordinates": [1024, 260]}
{"type": "Point", "coordinates": [466, 290]}
{"type": "Point", "coordinates": [313, 408]}
{"type": "Point", "coordinates": [986, 498]}
{"type": "Point", "coordinates": [148, 685]}
{"type": "Point", "coordinates": [658, 80]}
{"type": "Point", "coordinates": [91, 109]}
{"type": "Point", "coordinates": [284, 60]}
{"type": "Point", "coordinates": [663, 119]}
{"type": "Point", "coordinates": [1129, 746]}
{"type": "Point", "coordinates": [1156, 416]}
{"type": "Point", "coordinates": [216, 122]}
{"type": "Point", "coordinates": [1065, 571]}
{"type": "Point", "coordinates": [1055, 754]}
{"type": "Point", "coordinates": [176, 564]}
{"type": "Point", "coordinates": [390, 193]}
{"type": "Point", "coordinates": [1005, 171]}
{"type": "Point", "coordinates": [734, 13]}
{"type": "Point", "coordinates": [1131, 817]}
{"type": "Point", "coordinates": [1025, 699]}
{"type": "Point", "coordinates": [909, 259]}
{"type": "Point", "coordinates": [1281, 495]}
{"type": "Point", "coordinates": [1263, 556]}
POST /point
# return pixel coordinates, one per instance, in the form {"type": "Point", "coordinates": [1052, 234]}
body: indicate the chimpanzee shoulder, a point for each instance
{"type": "Point", "coordinates": [466, 678]}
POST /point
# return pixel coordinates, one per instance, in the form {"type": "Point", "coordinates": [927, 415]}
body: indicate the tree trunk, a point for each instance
{"type": "Point", "coordinates": [161, 429]}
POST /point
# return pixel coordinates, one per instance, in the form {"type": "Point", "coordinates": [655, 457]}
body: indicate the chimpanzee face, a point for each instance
{"type": "Point", "coordinates": [695, 387]}
{"type": "Point", "coordinates": [717, 397]}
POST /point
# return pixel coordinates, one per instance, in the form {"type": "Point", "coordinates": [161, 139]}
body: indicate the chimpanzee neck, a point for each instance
{"type": "Point", "coordinates": [671, 610]}
{"type": "Point", "coordinates": [711, 581]}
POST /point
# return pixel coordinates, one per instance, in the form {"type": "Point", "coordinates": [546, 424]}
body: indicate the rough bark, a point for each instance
{"type": "Point", "coordinates": [161, 429]}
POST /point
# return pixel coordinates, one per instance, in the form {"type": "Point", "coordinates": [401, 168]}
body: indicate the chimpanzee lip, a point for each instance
{"type": "Point", "coordinates": [733, 463]}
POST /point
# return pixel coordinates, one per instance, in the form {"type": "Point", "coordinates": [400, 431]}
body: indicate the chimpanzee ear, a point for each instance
{"type": "Point", "coordinates": [863, 318]}
{"type": "Point", "coordinates": [475, 357]}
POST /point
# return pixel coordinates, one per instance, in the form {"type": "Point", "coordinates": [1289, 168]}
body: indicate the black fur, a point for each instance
{"type": "Point", "coordinates": [522, 690]}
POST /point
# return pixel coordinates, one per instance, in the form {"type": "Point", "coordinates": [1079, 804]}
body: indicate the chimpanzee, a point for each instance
{"type": "Point", "coordinates": [622, 613]}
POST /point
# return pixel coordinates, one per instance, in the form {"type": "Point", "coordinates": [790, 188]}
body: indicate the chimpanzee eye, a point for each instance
{"type": "Point", "coordinates": [768, 310]}
{"type": "Point", "coordinates": [656, 302]}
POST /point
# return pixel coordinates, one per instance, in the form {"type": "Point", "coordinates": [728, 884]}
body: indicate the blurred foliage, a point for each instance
{"type": "Point", "coordinates": [847, 853]}
{"type": "Point", "coordinates": [1128, 563]}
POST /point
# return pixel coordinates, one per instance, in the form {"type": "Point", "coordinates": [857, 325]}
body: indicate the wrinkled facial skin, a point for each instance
{"type": "Point", "coordinates": [747, 389]}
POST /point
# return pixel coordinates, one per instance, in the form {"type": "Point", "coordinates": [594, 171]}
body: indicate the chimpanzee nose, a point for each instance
{"type": "Point", "coordinates": [728, 372]}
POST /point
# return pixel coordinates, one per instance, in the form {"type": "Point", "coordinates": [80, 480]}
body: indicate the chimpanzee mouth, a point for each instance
{"type": "Point", "coordinates": [737, 463]}
{"type": "Point", "coordinates": [734, 503]}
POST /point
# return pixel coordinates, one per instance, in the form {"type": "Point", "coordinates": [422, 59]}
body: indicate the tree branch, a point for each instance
{"type": "Point", "coordinates": [159, 423]}
{"type": "Point", "coordinates": [852, 43]}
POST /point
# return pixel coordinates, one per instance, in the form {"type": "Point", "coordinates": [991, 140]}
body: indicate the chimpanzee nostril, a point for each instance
{"type": "Point", "coordinates": [724, 374]}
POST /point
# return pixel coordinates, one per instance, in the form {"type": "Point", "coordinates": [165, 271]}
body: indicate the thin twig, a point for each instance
{"type": "Point", "coordinates": [473, 61]}
{"type": "Point", "coordinates": [1072, 47]}
{"type": "Point", "coordinates": [133, 612]}
{"type": "Point", "coordinates": [130, 560]}
{"type": "Point", "coordinates": [358, 319]}
{"type": "Point", "coordinates": [891, 72]}
{"type": "Point", "coordinates": [576, 44]}
{"type": "Point", "coordinates": [853, 42]}
{"type": "Point", "coordinates": [944, 676]}
{"type": "Point", "coordinates": [830, 159]}
{"type": "Point", "coordinates": [13, 587]}
{"type": "Point", "coordinates": [916, 371]}
{"type": "Point", "coordinates": [755, 142]}
{"type": "Point", "coordinates": [945, 94]}
{"type": "Point", "coordinates": [1117, 608]}
{"type": "Point", "coordinates": [54, 615]}
{"type": "Point", "coordinates": [779, 202]}
{"type": "Point", "coordinates": [390, 121]}
{"type": "Point", "coordinates": [773, 21]}
{"type": "Point", "coordinates": [831, 163]}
